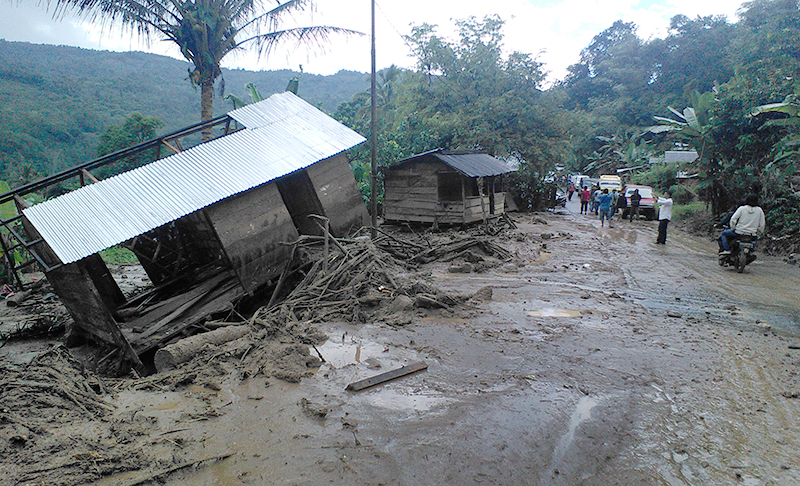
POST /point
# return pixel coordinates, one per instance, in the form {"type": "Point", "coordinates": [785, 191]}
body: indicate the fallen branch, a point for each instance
{"type": "Point", "coordinates": [161, 475]}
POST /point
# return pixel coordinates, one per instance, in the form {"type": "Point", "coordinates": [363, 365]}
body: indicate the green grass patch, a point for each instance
{"type": "Point", "coordinates": [694, 217]}
{"type": "Point", "coordinates": [118, 255]}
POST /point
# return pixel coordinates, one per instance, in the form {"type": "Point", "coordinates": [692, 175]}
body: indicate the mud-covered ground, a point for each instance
{"type": "Point", "coordinates": [601, 358]}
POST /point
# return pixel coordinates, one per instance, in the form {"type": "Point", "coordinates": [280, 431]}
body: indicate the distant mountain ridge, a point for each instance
{"type": "Point", "coordinates": [55, 101]}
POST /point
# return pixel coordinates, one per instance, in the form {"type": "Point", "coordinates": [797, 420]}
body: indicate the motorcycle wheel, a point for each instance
{"type": "Point", "coordinates": [741, 261]}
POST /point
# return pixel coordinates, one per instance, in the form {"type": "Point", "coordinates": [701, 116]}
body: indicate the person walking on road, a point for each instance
{"type": "Point", "coordinates": [664, 215]}
{"type": "Point", "coordinates": [604, 208]}
{"type": "Point", "coordinates": [585, 196]}
{"type": "Point", "coordinates": [636, 198]}
{"type": "Point", "coordinates": [596, 200]}
{"type": "Point", "coordinates": [570, 191]}
{"type": "Point", "coordinates": [622, 205]}
{"type": "Point", "coordinates": [613, 209]}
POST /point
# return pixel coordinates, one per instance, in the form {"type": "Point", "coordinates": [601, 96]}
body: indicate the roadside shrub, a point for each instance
{"type": "Point", "coordinates": [117, 255]}
{"type": "Point", "coordinates": [783, 215]}
{"type": "Point", "coordinates": [681, 195]}
{"type": "Point", "coordinates": [694, 217]}
{"type": "Point", "coordinates": [659, 177]}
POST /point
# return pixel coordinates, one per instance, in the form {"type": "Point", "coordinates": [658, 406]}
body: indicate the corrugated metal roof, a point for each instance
{"type": "Point", "coordinates": [471, 164]}
{"type": "Point", "coordinates": [677, 156]}
{"type": "Point", "coordinates": [284, 134]}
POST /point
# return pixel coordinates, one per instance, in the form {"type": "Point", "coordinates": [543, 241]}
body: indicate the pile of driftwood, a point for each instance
{"type": "Point", "coordinates": [53, 385]}
{"type": "Point", "coordinates": [357, 274]}
{"type": "Point", "coordinates": [424, 251]}
{"type": "Point", "coordinates": [336, 284]}
{"type": "Point", "coordinates": [359, 279]}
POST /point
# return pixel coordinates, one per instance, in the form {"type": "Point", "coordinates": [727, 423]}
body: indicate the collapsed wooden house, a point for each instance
{"type": "Point", "coordinates": [445, 187]}
{"type": "Point", "coordinates": [209, 224]}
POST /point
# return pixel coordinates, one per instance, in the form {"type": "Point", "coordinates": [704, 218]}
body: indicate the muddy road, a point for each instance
{"type": "Point", "coordinates": [601, 358]}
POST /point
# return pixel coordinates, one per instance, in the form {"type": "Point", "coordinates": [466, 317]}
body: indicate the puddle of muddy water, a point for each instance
{"type": "Point", "coordinates": [419, 401]}
{"type": "Point", "coordinates": [553, 312]}
{"type": "Point", "coordinates": [340, 354]}
{"type": "Point", "coordinates": [582, 413]}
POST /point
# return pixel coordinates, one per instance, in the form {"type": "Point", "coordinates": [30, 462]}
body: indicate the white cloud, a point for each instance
{"type": "Point", "coordinates": [556, 29]}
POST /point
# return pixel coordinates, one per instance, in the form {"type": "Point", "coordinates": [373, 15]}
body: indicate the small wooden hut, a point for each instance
{"type": "Point", "coordinates": [209, 224]}
{"type": "Point", "coordinates": [445, 187]}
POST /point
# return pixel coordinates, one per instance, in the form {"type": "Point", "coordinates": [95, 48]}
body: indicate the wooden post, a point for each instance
{"type": "Point", "coordinates": [327, 246]}
{"type": "Point", "coordinates": [87, 175]}
{"type": "Point", "coordinates": [480, 193]}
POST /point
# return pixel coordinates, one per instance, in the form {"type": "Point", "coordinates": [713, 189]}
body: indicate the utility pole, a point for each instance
{"type": "Point", "coordinates": [374, 138]}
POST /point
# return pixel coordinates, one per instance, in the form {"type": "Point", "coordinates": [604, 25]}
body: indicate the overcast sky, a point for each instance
{"type": "Point", "coordinates": [553, 30]}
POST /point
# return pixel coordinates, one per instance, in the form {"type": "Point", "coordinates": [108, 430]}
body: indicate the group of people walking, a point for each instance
{"type": "Point", "coordinates": [605, 205]}
{"type": "Point", "coordinates": [747, 220]}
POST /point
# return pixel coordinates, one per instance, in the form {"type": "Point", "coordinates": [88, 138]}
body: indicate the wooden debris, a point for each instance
{"type": "Point", "coordinates": [362, 275]}
{"type": "Point", "coordinates": [162, 474]}
{"type": "Point", "coordinates": [18, 298]}
{"type": "Point", "coordinates": [387, 376]}
{"type": "Point", "coordinates": [353, 273]}
{"type": "Point", "coordinates": [170, 356]}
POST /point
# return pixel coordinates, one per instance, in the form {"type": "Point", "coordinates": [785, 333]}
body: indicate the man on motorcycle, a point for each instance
{"type": "Point", "coordinates": [748, 220]}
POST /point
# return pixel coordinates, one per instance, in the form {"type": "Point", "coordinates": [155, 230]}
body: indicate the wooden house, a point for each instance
{"type": "Point", "coordinates": [445, 187]}
{"type": "Point", "coordinates": [210, 224]}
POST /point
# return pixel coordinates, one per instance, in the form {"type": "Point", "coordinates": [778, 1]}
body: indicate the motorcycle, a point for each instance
{"type": "Point", "coordinates": [743, 253]}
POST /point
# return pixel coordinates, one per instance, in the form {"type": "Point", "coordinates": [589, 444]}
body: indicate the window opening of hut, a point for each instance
{"type": "Point", "coordinates": [449, 187]}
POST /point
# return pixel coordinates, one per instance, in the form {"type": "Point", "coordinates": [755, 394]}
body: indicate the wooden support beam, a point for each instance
{"type": "Point", "coordinates": [10, 263]}
{"type": "Point", "coordinates": [171, 147]}
{"type": "Point", "coordinates": [85, 174]}
{"type": "Point", "coordinates": [387, 376]}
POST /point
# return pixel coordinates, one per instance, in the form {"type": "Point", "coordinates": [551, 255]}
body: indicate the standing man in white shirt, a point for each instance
{"type": "Point", "coordinates": [664, 215]}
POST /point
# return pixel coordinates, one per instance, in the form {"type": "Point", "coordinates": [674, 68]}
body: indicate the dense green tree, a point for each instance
{"type": "Point", "coordinates": [465, 94]}
{"type": "Point", "coordinates": [136, 129]}
{"type": "Point", "coordinates": [205, 30]}
{"type": "Point", "coordinates": [693, 57]}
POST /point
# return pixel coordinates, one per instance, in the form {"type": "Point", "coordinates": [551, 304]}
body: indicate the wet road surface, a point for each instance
{"type": "Point", "coordinates": [601, 359]}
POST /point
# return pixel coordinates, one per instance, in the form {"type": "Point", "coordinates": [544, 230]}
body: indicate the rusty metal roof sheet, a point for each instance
{"type": "Point", "coordinates": [284, 134]}
{"type": "Point", "coordinates": [470, 163]}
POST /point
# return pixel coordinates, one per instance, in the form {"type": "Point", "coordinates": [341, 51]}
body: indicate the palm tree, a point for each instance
{"type": "Point", "coordinates": [205, 30]}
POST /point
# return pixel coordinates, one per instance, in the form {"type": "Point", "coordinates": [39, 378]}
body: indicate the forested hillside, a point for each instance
{"type": "Point", "coordinates": [56, 101]}
{"type": "Point", "coordinates": [727, 88]}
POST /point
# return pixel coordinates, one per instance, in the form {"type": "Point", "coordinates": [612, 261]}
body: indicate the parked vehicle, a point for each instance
{"type": "Point", "coordinates": [647, 206]}
{"type": "Point", "coordinates": [561, 199]}
{"type": "Point", "coordinates": [611, 182]}
{"type": "Point", "coordinates": [581, 180]}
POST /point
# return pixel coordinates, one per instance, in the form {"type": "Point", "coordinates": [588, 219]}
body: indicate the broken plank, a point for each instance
{"type": "Point", "coordinates": [219, 300]}
{"type": "Point", "coordinates": [387, 376]}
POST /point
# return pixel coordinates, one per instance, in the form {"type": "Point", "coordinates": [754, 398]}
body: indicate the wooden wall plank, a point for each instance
{"type": "Point", "coordinates": [251, 227]}
{"type": "Point", "coordinates": [90, 315]}
{"type": "Point", "coordinates": [339, 194]}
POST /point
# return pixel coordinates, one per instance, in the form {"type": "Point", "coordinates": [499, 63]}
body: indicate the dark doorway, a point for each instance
{"type": "Point", "coordinates": [301, 199]}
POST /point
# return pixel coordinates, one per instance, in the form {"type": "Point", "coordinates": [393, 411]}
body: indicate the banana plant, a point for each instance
{"type": "Point", "coordinates": [691, 124]}
{"type": "Point", "coordinates": [255, 96]}
{"type": "Point", "coordinates": [788, 149]}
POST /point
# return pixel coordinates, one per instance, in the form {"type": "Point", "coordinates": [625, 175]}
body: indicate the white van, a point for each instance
{"type": "Point", "coordinates": [610, 182]}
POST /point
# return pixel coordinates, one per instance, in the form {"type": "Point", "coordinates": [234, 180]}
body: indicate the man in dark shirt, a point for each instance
{"type": "Point", "coordinates": [636, 198]}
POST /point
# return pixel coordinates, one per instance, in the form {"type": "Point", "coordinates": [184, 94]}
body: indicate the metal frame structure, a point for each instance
{"type": "Point", "coordinates": [12, 226]}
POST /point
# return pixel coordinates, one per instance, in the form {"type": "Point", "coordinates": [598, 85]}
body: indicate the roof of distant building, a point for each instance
{"type": "Point", "coordinates": [470, 163]}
